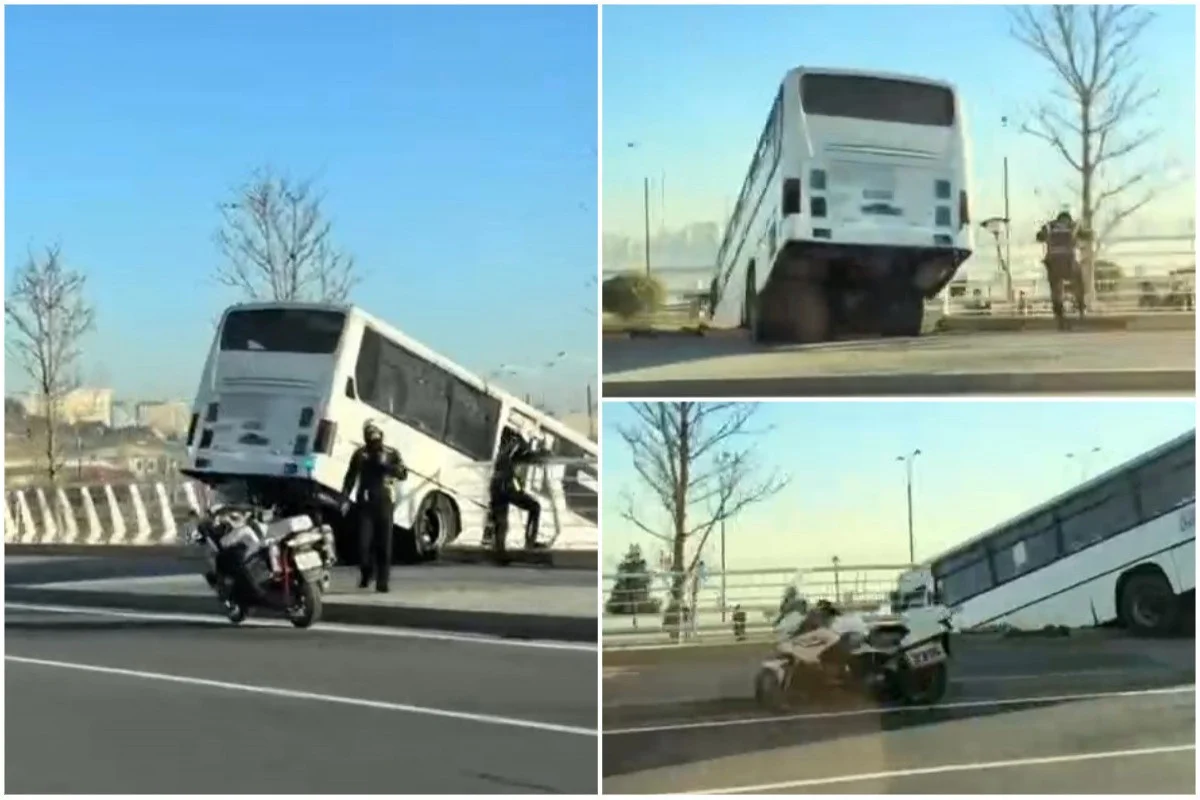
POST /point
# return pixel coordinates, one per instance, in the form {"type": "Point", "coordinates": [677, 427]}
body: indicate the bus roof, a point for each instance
{"type": "Point", "coordinates": [862, 73]}
{"type": "Point", "coordinates": [558, 428]}
{"type": "Point", "coordinates": [1041, 508]}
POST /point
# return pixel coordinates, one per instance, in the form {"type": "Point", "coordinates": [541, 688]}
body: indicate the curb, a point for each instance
{"type": "Point", "coordinates": [483, 623]}
{"type": "Point", "coordinates": [1140, 381]}
{"type": "Point", "coordinates": [557, 559]}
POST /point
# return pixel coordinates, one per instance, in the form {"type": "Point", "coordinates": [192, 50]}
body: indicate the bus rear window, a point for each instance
{"type": "Point", "coordinates": [877, 100]}
{"type": "Point", "coordinates": [283, 330]}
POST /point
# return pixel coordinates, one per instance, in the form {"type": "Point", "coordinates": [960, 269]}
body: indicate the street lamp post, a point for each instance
{"type": "Point", "coordinates": [1081, 459]}
{"type": "Point", "coordinates": [908, 473]}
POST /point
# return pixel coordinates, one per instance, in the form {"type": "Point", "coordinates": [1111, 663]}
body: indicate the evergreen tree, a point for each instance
{"type": "Point", "coordinates": [631, 591]}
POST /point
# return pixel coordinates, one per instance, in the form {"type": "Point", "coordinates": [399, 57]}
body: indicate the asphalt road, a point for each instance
{"type": "Point", "coordinates": [1094, 716]}
{"type": "Point", "coordinates": [729, 364]}
{"type": "Point", "coordinates": [135, 703]}
{"type": "Point", "coordinates": [19, 571]}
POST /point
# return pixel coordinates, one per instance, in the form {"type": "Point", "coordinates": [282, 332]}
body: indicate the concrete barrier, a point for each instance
{"type": "Point", "coordinates": [148, 515]}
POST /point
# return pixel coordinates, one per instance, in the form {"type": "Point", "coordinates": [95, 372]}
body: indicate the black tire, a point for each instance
{"type": "Point", "coordinates": [752, 309]}
{"type": "Point", "coordinates": [306, 605]}
{"type": "Point", "coordinates": [809, 315]}
{"type": "Point", "coordinates": [769, 692]}
{"type": "Point", "coordinates": [903, 316]}
{"type": "Point", "coordinates": [924, 687]}
{"type": "Point", "coordinates": [436, 526]}
{"type": "Point", "coordinates": [235, 612]}
{"type": "Point", "coordinates": [1148, 606]}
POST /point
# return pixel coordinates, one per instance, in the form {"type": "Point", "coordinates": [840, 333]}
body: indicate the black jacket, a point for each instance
{"type": "Point", "coordinates": [374, 471]}
{"type": "Point", "coordinates": [514, 456]}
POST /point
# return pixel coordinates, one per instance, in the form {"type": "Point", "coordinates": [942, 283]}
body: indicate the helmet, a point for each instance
{"type": "Point", "coordinates": [372, 431]}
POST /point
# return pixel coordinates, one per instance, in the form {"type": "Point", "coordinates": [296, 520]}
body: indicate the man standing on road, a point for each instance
{"type": "Point", "coordinates": [1062, 236]}
{"type": "Point", "coordinates": [377, 469]}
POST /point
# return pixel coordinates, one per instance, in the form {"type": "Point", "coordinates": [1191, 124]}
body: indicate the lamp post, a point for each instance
{"type": "Point", "coordinates": [908, 473]}
{"type": "Point", "coordinates": [1081, 458]}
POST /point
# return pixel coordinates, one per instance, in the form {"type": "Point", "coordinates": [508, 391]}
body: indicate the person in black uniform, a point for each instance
{"type": "Point", "coordinates": [504, 490]}
{"type": "Point", "coordinates": [376, 468]}
{"type": "Point", "coordinates": [1062, 236]}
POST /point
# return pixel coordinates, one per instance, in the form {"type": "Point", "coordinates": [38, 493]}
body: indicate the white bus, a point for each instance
{"type": "Point", "coordinates": [287, 388]}
{"type": "Point", "coordinates": [854, 210]}
{"type": "Point", "coordinates": [1120, 548]}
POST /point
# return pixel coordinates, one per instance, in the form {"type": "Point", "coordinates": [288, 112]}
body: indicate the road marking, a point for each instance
{"type": "Point", "coordinates": [321, 627]}
{"type": "Point", "coordinates": [294, 694]}
{"type": "Point", "coordinates": [947, 768]}
{"type": "Point", "coordinates": [862, 712]}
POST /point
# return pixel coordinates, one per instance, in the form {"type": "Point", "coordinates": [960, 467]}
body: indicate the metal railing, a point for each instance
{"type": "Point", "coordinates": [640, 614]}
{"type": "Point", "coordinates": [1115, 302]}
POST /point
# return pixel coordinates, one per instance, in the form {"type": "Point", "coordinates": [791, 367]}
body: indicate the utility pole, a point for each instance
{"type": "Point", "coordinates": [722, 571]}
{"type": "Point", "coordinates": [908, 473]}
{"type": "Point", "coordinates": [646, 215]}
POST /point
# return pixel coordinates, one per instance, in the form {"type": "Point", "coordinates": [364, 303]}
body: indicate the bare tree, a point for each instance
{"type": "Point", "coordinates": [278, 245]}
{"type": "Point", "coordinates": [688, 456]}
{"type": "Point", "coordinates": [1092, 120]}
{"type": "Point", "coordinates": [48, 317]}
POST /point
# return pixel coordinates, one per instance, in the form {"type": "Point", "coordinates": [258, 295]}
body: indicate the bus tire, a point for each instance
{"type": "Point", "coordinates": [437, 524]}
{"type": "Point", "coordinates": [752, 309]}
{"type": "Point", "coordinates": [1148, 607]}
{"type": "Point", "coordinates": [904, 315]}
{"type": "Point", "coordinates": [808, 314]}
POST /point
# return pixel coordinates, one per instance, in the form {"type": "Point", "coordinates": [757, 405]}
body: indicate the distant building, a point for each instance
{"type": "Point", "coordinates": [78, 405]}
{"type": "Point", "coordinates": [168, 418]}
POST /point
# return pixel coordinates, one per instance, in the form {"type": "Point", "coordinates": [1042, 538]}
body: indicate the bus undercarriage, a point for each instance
{"type": "Point", "coordinates": [820, 292]}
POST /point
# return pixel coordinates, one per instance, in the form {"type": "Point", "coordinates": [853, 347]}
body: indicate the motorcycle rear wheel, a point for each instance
{"type": "Point", "coordinates": [769, 692]}
{"type": "Point", "coordinates": [924, 687]}
{"type": "Point", "coordinates": [306, 604]}
{"type": "Point", "coordinates": [234, 612]}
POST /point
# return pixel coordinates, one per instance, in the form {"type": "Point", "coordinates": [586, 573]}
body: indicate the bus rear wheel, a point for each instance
{"type": "Point", "coordinates": [1148, 606]}
{"type": "Point", "coordinates": [904, 315]}
{"type": "Point", "coordinates": [806, 311]}
{"type": "Point", "coordinates": [436, 526]}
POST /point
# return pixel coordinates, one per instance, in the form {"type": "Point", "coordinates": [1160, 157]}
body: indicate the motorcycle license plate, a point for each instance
{"type": "Point", "coordinates": [926, 655]}
{"type": "Point", "coordinates": [306, 560]}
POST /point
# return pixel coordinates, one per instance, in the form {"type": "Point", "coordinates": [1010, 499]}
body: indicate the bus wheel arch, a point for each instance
{"type": "Point", "coordinates": [1146, 603]}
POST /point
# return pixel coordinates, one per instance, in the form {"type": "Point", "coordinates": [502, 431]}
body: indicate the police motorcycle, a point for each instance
{"type": "Point", "coordinates": [259, 559]}
{"type": "Point", "coordinates": [888, 657]}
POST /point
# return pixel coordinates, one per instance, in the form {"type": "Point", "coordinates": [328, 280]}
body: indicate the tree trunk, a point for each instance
{"type": "Point", "coordinates": [678, 557]}
{"type": "Point", "coordinates": [1086, 213]}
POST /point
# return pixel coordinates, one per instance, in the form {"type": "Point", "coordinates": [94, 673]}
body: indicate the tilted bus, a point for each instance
{"type": "Point", "coordinates": [854, 211]}
{"type": "Point", "coordinates": [287, 388]}
{"type": "Point", "coordinates": [1117, 549]}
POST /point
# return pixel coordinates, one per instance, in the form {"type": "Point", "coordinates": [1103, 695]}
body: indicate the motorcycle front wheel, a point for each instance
{"type": "Point", "coordinates": [924, 687]}
{"type": "Point", "coordinates": [305, 608]}
{"type": "Point", "coordinates": [234, 612]}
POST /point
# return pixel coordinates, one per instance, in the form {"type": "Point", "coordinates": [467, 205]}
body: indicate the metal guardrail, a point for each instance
{"type": "Point", "coordinates": [1107, 303]}
{"type": "Point", "coordinates": [641, 618]}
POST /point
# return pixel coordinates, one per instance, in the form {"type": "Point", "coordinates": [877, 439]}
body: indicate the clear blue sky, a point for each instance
{"type": "Point", "coordinates": [981, 463]}
{"type": "Point", "coordinates": [456, 148]}
{"type": "Point", "coordinates": [693, 85]}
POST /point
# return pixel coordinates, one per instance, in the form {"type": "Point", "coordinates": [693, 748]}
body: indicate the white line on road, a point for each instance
{"type": "Point", "coordinates": [784, 786]}
{"type": "Point", "coordinates": [321, 627]}
{"type": "Point", "coordinates": [861, 712]}
{"type": "Point", "coordinates": [293, 694]}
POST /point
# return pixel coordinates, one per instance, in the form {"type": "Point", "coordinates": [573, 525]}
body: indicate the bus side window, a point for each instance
{"type": "Point", "coordinates": [350, 389]}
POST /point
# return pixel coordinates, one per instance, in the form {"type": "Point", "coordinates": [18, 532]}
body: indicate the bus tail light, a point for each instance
{"type": "Point", "coordinates": [964, 209]}
{"type": "Point", "coordinates": [210, 415]}
{"type": "Point", "coordinates": [206, 439]}
{"type": "Point", "coordinates": [791, 196]}
{"type": "Point", "coordinates": [301, 446]}
{"type": "Point", "coordinates": [306, 416]}
{"type": "Point", "coordinates": [192, 429]}
{"type": "Point", "coordinates": [326, 433]}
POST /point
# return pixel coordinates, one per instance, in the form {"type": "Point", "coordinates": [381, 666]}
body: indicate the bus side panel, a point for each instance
{"type": "Point", "coordinates": [1184, 559]}
{"type": "Point", "coordinates": [1079, 590]}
